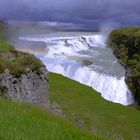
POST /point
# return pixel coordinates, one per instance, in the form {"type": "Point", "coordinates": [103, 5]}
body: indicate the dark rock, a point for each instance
{"type": "Point", "coordinates": [56, 109]}
{"type": "Point", "coordinates": [29, 87]}
{"type": "Point", "coordinates": [80, 123]}
{"type": "Point", "coordinates": [86, 62]}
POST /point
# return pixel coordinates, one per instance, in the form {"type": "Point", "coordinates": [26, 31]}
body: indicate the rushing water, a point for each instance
{"type": "Point", "coordinates": [85, 58]}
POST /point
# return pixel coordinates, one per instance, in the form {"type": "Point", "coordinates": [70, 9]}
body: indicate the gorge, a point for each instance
{"type": "Point", "coordinates": [85, 58]}
{"type": "Point", "coordinates": [80, 56]}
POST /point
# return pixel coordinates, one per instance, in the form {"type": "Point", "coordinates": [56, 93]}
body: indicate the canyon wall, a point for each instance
{"type": "Point", "coordinates": [126, 45]}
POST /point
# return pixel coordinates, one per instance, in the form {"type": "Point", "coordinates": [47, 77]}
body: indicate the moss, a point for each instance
{"type": "Point", "coordinates": [18, 62]}
{"type": "Point", "coordinates": [29, 61]}
{"type": "Point", "coordinates": [5, 47]}
{"type": "Point", "coordinates": [126, 45]}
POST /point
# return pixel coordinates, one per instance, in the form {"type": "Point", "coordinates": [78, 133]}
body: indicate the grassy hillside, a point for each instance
{"type": "Point", "coordinates": [84, 106]}
{"type": "Point", "coordinates": [26, 122]}
{"type": "Point", "coordinates": [126, 45]}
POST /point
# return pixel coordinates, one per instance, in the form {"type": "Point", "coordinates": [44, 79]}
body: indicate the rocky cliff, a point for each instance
{"type": "Point", "coordinates": [22, 76]}
{"type": "Point", "coordinates": [126, 45]}
{"type": "Point", "coordinates": [30, 87]}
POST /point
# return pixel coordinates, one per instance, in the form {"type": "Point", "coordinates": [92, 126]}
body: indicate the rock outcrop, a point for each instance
{"type": "Point", "coordinates": [31, 87]}
{"type": "Point", "coordinates": [22, 76]}
{"type": "Point", "coordinates": [2, 25]}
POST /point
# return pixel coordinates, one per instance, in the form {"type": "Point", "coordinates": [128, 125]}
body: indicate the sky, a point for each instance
{"type": "Point", "coordinates": [82, 13]}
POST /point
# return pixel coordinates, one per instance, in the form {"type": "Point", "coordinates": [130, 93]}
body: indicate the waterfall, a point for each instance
{"type": "Point", "coordinates": [86, 59]}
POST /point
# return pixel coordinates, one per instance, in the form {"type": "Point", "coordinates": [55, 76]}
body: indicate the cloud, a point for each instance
{"type": "Point", "coordinates": [88, 13]}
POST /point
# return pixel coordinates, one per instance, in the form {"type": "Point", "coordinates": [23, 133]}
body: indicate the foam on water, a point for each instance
{"type": "Point", "coordinates": [103, 73]}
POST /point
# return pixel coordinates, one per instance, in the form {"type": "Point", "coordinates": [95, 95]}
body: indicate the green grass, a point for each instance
{"type": "Point", "coordinates": [80, 102]}
{"type": "Point", "coordinates": [17, 62]}
{"type": "Point", "coordinates": [27, 122]}
{"type": "Point", "coordinates": [5, 47]}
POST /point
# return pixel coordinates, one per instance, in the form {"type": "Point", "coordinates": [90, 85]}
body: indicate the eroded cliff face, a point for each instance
{"type": "Point", "coordinates": [126, 46]}
{"type": "Point", "coordinates": [31, 87]}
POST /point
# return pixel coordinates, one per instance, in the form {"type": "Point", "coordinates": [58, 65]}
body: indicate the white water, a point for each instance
{"type": "Point", "coordinates": [87, 60]}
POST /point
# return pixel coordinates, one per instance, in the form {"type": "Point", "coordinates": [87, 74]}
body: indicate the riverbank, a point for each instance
{"type": "Point", "coordinates": [85, 107]}
{"type": "Point", "coordinates": [126, 46]}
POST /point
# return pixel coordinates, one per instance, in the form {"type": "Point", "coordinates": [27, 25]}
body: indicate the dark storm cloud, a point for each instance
{"type": "Point", "coordinates": [81, 12]}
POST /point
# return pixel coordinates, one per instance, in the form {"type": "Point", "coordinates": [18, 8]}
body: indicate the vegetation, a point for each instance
{"type": "Point", "coordinates": [126, 45]}
{"type": "Point", "coordinates": [90, 111]}
{"type": "Point", "coordinates": [17, 62]}
{"type": "Point", "coordinates": [5, 47]}
{"type": "Point", "coordinates": [26, 122]}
